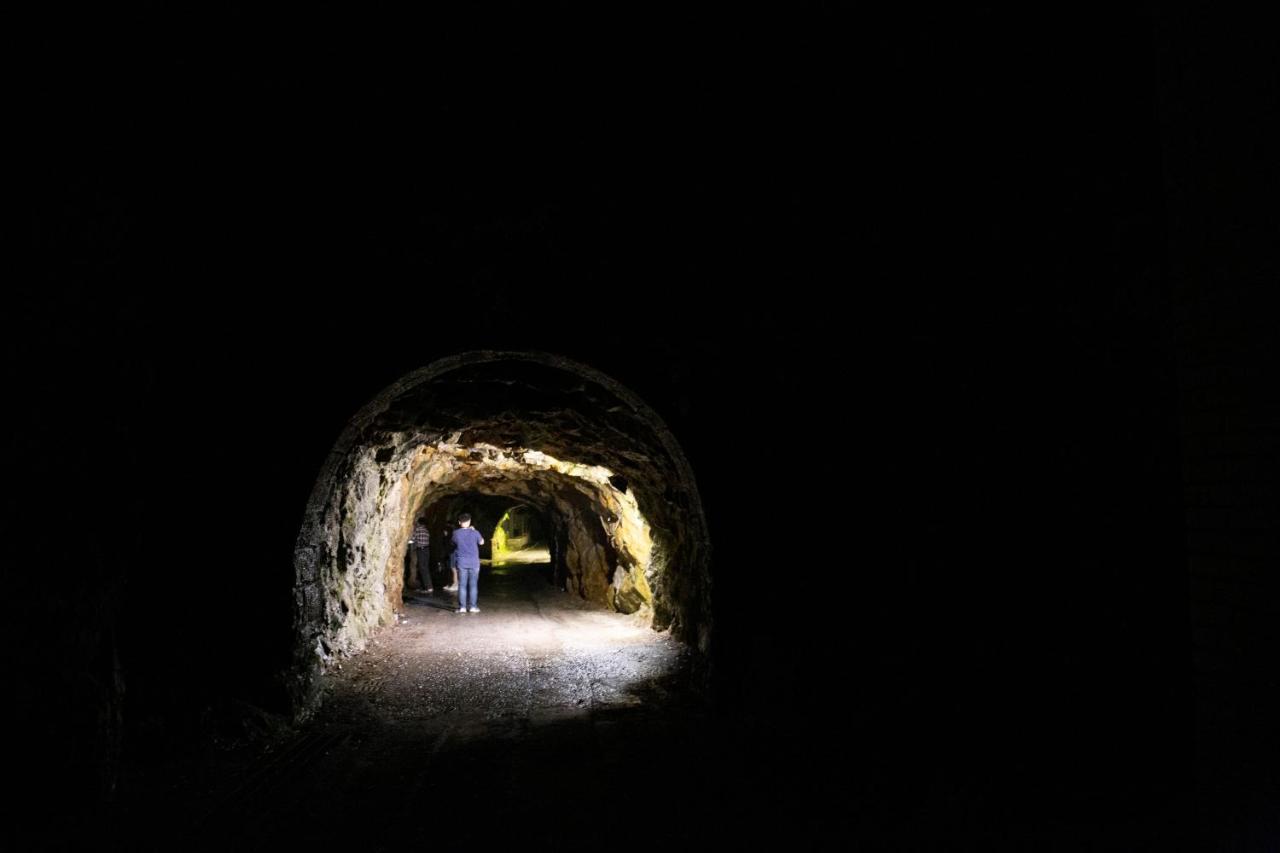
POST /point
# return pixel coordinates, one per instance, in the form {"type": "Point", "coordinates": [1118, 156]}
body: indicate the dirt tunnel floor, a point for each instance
{"type": "Point", "coordinates": [531, 653]}
{"type": "Point", "coordinates": [543, 720]}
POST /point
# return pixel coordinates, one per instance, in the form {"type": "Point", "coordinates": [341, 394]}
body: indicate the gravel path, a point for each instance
{"type": "Point", "coordinates": [531, 652]}
{"type": "Point", "coordinates": [543, 721]}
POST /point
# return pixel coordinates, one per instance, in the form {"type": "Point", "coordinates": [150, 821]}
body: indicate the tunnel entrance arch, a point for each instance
{"type": "Point", "coordinates": [535, 428]}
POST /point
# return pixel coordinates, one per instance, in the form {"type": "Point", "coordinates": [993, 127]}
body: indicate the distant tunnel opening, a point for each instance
{"type": "Point", "coordinates": [538, 449]}
{"type": "Point", "coordinates": [520, 530]}
{"type": "Point", "coordinates": [515, 532]}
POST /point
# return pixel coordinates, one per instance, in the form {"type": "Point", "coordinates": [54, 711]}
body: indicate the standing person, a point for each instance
{"type": "Point", "coordinates": [421, 541]}
{"type": "Point", "coordinates": [447, 560]}
{"type": "Point", "coordinates": [466, 551]}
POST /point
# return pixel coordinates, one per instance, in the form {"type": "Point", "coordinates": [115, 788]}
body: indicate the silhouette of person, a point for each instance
{"type": "Point", "coordinates": [421, 541]}
{"type": "Point", "coordinates": [447, 558]}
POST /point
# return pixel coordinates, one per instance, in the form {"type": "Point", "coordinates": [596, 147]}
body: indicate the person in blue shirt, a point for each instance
{"type": "Point", "coordinates": [466, 551]}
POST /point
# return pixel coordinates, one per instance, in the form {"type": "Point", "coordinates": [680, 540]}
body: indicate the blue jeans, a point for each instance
{"type": "Point", "coordinates": [467, 581]}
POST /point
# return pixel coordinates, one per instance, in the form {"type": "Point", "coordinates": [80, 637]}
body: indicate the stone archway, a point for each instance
{"type": "Point", "coordinates": [531, 427]}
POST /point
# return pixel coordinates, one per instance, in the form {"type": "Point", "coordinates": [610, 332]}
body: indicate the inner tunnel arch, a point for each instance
{"type": "Point", "coordinates": [488, 511]}
{"type": "Point", "coordinates": [531, 427]}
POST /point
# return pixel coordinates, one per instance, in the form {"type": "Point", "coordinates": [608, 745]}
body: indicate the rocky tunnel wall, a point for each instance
{"type": "Point", "coordinates": [532, 428]}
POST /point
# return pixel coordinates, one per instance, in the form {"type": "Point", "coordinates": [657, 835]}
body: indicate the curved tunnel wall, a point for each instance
{"type": "Point", "coordinates": [531, 427]}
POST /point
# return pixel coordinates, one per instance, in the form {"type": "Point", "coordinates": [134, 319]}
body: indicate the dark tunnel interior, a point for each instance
{"type": "Point", "coordinates": [523, 526]}
{"type": "Point", "coordinates": [875, 450]}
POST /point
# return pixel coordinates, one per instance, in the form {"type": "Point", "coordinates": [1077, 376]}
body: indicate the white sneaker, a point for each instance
{"type": "Point", "coordinates": [474, 610]}
{"type": "Point", "coordinates": [461, 610]}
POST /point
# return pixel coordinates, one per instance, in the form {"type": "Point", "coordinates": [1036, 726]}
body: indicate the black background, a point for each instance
{"type": "Point", "coordinates": [900, 285]}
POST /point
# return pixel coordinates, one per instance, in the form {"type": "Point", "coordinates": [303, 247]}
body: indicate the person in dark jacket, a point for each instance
{"type": "Point", "coordinates": [420, 541]}
{"type": "Point", "coordinates": [446, 558]}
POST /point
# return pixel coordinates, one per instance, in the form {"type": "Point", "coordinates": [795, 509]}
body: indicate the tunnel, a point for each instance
{"type": "Point", "coordinates": [486, 432]}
